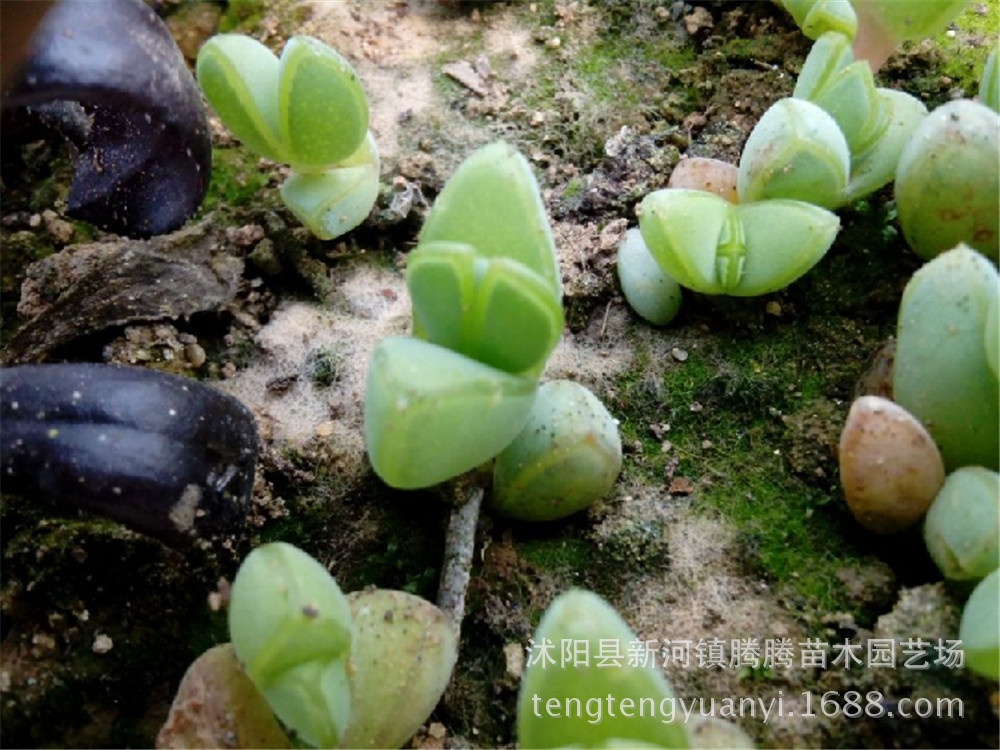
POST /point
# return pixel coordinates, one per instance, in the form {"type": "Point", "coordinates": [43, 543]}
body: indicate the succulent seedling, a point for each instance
{"type": "Point", "coordinates": [948, 181]}
{"type": "Point", "coordinates": [115, 85]}
{"type": "Point", "coordinates": [579, 616]}
{"type": "Point", "coordinates": [487, 313]}
{"type": "Point", "coordinates": [979, 629]}
{"type": "Point", "coordinates": [568, 455]}
{"type": "Point", "coordinates": [711, 246]}
{"type": "Point", "coordinates": [307, 109]}
{"type": "Point", "coordinates": [291, 628]}
{"type": "Point", "coordinates": [359, 671]}
{"type": "Point", "coordinates": [942, 373]}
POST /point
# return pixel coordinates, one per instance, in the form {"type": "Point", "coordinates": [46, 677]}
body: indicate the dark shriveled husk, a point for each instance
{"type": "Point", "coordinates": [163, 454]}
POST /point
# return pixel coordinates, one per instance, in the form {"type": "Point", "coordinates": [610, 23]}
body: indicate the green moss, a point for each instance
{"type": "Point", "coordinates": [559, 552]}
{"type": "Point", "coordinates": [966, 49]}
{"type": "Point", "coordinates": [237, 179]}
{"type": "Point", "coordinates": [242, 15]}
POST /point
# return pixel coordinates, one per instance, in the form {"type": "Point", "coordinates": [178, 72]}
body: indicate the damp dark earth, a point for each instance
{"type": "Point", "coordinates": [727, 525]}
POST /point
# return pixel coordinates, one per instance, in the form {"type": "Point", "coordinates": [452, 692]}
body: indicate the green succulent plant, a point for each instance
{"type": "Point", "coordinates": [582, 617]}
{"type": "Point", "coordinates": [307, 109]}
{"type": "Point", "coordinates": [487, 313]}
{"type": "Point", "coordinates": [364, 670]}
{"type": "Point", "coordinates": [711, 246]}
{"type": "Point", "coordinates": [942, 373]}
{"type": "Point", "coordinates": [962, 526]}
{"type": "Point", "coordinates": [948, 181]}
{"type": "Point", "coordinates": [979, 629]}
{"type": "Point", "coordinates": [567, 456]}
{"type": "Point", "coordinates": [876, 122]}
{"type": "Point", "coordinates": [291, 628]}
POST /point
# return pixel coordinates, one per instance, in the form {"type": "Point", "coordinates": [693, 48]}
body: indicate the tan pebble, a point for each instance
{"type": "Point", "coordinates": [890, 468]}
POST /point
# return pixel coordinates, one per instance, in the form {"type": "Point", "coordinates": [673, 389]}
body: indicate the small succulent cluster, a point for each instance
{"type": "Point", "coordinates": [307, 109]}
{"type": "Point", "coordinates": [932, 452]}
{"type": "Point", "coordinates": [362, 670]}
{"type": "Point", "coordinates": [464, 389]}
{"type": "Point", "coordinates": [581, 617]}
{"type": "Point", "coordinates": [755, 228]}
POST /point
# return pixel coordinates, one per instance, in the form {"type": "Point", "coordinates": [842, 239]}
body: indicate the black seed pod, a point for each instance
{"type": "Point", "coordinates": [110, 78]}
{"type": "Point", "coordinates": [161, 453]}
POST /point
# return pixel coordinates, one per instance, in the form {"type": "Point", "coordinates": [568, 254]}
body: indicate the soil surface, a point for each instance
{"type": "Point", "coordinates": [728, 521]}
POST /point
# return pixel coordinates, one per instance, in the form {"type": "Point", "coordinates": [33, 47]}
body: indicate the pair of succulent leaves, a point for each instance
{"type": "Point", "coordinates": [362, 670]}
{"type": "Point", "coordinates": [307, 109]}
{"type": "Point", "coordinates": [837, 139]}
{"type": "Point", "coordinates": [487, 312]}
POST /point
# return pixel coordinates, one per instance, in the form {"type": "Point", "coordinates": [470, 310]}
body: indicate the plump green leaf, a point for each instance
{"type": "Point", "coordinates": [653, 293]}
{"type": "Point", "coordinates": [941, 374]}
{"type": "Point", "coordinates": [336, 200]}
{"type": "Point", "coordinates": [239, 76]}
{"type": "Point", "coordinates": [432, 414]}
{"type": "Point", "coordinates": [875, 167]}
{"type": "Point", "coordinates": [322, 106]}
{"type": "Point", "coordinates": [567, 456]}
{"type": "Point", "coordinates": [816, 17]}
{"type": "Point", "coordinates": [714, 247]}
{"type": "Point", "coordinates": [494, 310]}
{"type": "Point", "coordinates": [904, 21]}
{"type": "Point", "coordinates": [795, 151]}
{"type": "Point", "coordinates": [579, 691]}
{"type": "Point", "coordinates": [844, 89]}
{"type": "Point", "coordinates": [291, 627]}
{"type": "Point", "coordinates": [784, 239]}
{"type": "Point", "coordinates": [979, 630]}
{"type": "Point", "coordinates": [962, 526]}
{"type": "Point", "coordinates": [948, 181]}
{"type": "Point", "coordinates": [492, 203]}
{"type": "Point", "coordinates": [681, 228]}
{"type": "Point", "coordinates": [402, 656]}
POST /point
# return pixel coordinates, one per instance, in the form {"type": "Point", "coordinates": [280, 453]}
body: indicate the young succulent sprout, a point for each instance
{"type": "Point", "coordinates": [816, 17]}
{"type": "Point", "coordinates": [402, 657]}
{"type": "Point", "coordinates": [890, 468]}
{"type": "Point", "coordinates": [291, 628]}
{"type": "Point", "coordinates": [583, 617]}
{"type": "Point", "coordinates": [844, 88]}
{"type": "Point", "coordinates": [567, 456]}
{"type": "Point", "coordinates": [115, 85]}
{"type": "Point", "coordinates": [979, 629]}
{"type": "Point", "coordinates": [962, 527]}
{"type": "Point", "coordinates": [711, 246]}
{"type": "Point", "coordinates": [885, 24]}
{"type": "Point", "coordinates": [307, 109]}
{"type": "Point", "coordinates": [942, 374]}
{"type": "Point", "coordinates": [487, 313]}
{"type": "Point", "coordinates": [649, 290]}
{"type": "Point", "coordinates": [875, 167]}
{"type": "Point", "coordinates": [989, 84]}
{"type": "Point", "coordinates": [948, 181]}
{"type": "Point", "coordinates": [796, 151]}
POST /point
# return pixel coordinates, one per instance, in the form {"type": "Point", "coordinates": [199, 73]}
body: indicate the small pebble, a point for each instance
{"type": "Point", "coordinates": [102, 644]}
{"type": "Point", "coordinates": [679, 354]}
{"type": "Point", "coordinates": [324, 429]}
{"type": "Point", "coordinates": [773, 308]}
